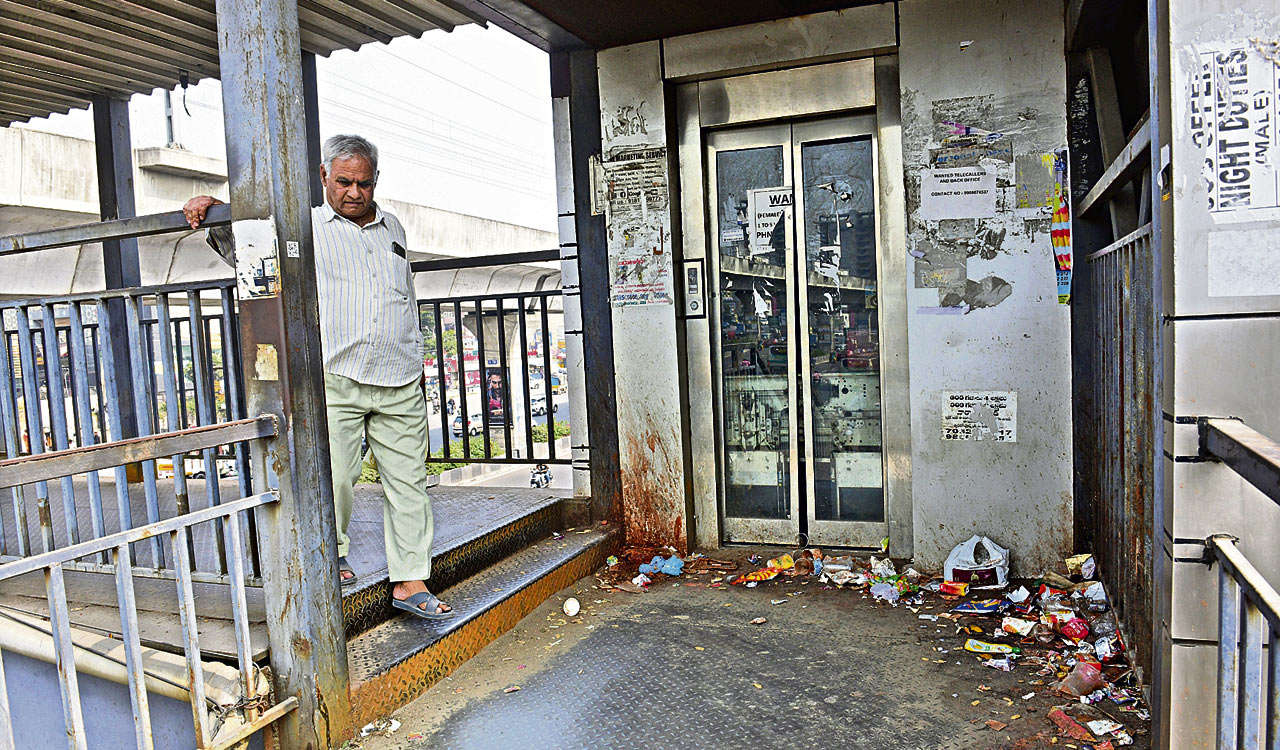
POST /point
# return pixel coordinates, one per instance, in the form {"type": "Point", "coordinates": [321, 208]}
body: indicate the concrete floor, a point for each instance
{"type": "Point", "coordinates": [681, 666]}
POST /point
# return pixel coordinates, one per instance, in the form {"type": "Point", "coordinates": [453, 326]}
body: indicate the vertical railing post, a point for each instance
{"type": "Point", "coordinates": [1228, 658]}
{"type": "Point", "coordinates": [262, 97]}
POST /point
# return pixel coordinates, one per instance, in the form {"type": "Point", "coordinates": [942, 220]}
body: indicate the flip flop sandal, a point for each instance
{"type": "Point", "coordinates": [413, 604]}
{"type": "Point", "coordinates": [345, 567]}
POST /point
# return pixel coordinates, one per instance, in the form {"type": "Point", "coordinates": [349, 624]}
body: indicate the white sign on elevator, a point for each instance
{"type": "Point", "coordinates": [771, 211]}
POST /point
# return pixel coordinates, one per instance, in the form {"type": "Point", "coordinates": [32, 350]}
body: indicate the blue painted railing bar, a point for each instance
{"type": "Point", "coordinates": [58, 390]}
{"type": "Point", "coordinates": [1248, 705]}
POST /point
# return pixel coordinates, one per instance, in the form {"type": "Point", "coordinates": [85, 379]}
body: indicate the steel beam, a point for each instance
{"type": "Point", "coordinates": [311, 110]}
{"type": "Point", "coordinates": [1106, 106]}
{"type": "Point", "coordinates": [487, 261]}
{"type": "Point", "coordinates": [1122, 169]}
{"type": "Point", "coordinates": [262, 102]}
{"type": "Point", "coordinates": [110, 231]}
{"type": "Point", "coordinates": [114, 150]}
{"type": "Point", "coordinates": [593, 278]}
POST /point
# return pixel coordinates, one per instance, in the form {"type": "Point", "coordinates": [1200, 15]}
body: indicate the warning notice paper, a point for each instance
{"type": "Point", "coordinates": [961, 193]}
{"type": "Point", "coordinates": [771, 212]}
{"type": "Point", "coordinates": [1231, 115]}
{"type": "Point", "coordinates": [980, 415]}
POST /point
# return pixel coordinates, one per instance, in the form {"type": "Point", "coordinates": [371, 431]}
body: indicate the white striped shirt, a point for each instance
{"type": "Point", "coordinates": [368, 311]}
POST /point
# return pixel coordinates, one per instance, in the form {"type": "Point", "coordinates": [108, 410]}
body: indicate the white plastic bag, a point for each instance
{"type": "Point", "coordinates": [979, 561]}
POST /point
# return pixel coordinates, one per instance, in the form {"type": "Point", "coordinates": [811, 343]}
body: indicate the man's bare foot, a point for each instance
{"type": "Point", "coordinates": [405, 589]}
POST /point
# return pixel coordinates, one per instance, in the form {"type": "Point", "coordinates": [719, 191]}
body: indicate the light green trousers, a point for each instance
{"type": "Point", "coordinates": [394, 419]}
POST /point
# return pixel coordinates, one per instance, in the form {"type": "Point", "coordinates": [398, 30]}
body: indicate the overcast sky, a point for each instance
{"type": "Point", "coordinates": [462, 120]}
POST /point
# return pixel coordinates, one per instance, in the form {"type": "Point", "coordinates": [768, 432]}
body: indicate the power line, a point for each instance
{"type": "Point", "coordinates": [482, 95]}
{"type": "Point", "coordinates": [510, 186]}
{"type": "Point", "coordinates": [473, 66]}
{"type": "Point", "coordinates": [454, 124]}
{"type": "Point", "coordinates": [464, 151]}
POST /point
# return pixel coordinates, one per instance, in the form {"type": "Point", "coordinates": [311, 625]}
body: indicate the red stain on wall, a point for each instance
{"type": "Point", "coordinates": [652, 493]}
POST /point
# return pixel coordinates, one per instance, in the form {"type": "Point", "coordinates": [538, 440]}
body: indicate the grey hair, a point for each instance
{"type": "Point", "coordinates": [347, 146]}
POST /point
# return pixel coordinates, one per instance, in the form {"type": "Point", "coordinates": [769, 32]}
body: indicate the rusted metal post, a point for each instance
{"type": "Point", "coordinates": [593, 279]}
{"type": "Point", "coordinates": [262, 97]}
{"type": "Point", "coordinates": [114, 151]}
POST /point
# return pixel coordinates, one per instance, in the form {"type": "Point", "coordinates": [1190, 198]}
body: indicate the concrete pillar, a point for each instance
{"type": "Point", "coordinates": [1217, 214]}
{"type": "Point", "coordinates": [655, 503]}
{"type": "Point", "coordinates": [262, 95]}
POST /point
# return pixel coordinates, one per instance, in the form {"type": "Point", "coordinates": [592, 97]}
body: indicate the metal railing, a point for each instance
{"type": "Point", "coordinates": [516, 368]}
{"type": "Point", "coordinates": [1248, 715]}
{"type": "Point", "coordinates": [251, 710]}
{"type": "Point", "coordinates": [62, 363]}
{"type": "Point", "coordinates": [1117, 413]}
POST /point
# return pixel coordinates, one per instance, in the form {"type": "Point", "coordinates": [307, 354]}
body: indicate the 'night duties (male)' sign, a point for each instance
{"type": "Point", "coordinates": [1231, 116]}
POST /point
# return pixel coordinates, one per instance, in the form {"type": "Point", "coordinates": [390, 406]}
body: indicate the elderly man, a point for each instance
{"type": "Point", "coordinates": [372, 362]}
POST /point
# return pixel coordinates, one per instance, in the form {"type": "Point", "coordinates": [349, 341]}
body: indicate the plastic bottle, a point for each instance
{"type": "Point", "coordinates": [1084, 678]}
{"type": "Point", "coordinates": [983, 647]}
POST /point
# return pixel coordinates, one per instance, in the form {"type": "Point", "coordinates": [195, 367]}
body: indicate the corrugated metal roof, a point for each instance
{"type": "Point", "coordinates": [55, 55]}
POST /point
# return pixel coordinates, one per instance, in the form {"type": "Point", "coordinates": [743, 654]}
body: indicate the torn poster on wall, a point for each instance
{"type": "Point", "coordinates": [980, 415]}
{"type": "Point", "coordinates": [1060, 229]}
{"type": "Point", "coordinates": [771, 211]}
{"type": "Point", "coordinates": [257, 258]}
{"type": "Point", "coordinates": [1231, 115]}
{"type": "Point", "coordinates": [1035, 175]}
{"type": "Point", "coordinates": [636, 214]}
{"type": "Point", "coordinates": [960, 193]}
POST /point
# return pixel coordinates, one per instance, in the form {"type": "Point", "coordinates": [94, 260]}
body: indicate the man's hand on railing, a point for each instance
{"type": "Point", "coordinates": [196, 208]}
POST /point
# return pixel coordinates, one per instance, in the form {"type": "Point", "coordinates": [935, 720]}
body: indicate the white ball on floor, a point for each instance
{"type": "Point", "coordinates": [572, 607]}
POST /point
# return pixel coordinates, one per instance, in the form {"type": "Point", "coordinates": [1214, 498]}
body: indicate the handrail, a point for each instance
{"type": "Point", "coordinates": [1120, 171]}
{"type": "Point", "coordinates": [219, 215]}
{"type": "Point", "coordinates": [1248, 618]}
{"type": "Point", "coordinates": [129, 536]}
{"type": "Point", "coordinates": [133, 291]}
{"type": "Point", "coordinates": [1252, 455]}
{"type": "Point", "coordinates": [1136, 235]}
{"type": "Point", "coordinates": [44, 466]}
{"type": "Point", "coordinates": [1253, 584]}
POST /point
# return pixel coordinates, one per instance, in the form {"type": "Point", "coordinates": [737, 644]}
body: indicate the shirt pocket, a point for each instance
{"type": "Point", "coordinates": [400, 276]}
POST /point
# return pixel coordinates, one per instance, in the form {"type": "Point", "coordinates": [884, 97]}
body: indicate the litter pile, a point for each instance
{"type": "Point", "coordinates": [1059, 628]}
{"type": "Point", "coordinates": [640, 567]}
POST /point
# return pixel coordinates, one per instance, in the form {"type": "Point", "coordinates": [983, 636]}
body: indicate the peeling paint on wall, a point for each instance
{"type": "Point", "coordinates": [978, 133]}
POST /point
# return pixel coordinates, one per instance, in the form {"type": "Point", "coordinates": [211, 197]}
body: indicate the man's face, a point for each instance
{"type": "Point", "coordinates": [348, 186]}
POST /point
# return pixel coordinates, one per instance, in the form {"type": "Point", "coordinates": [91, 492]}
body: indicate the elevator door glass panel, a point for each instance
{"type": "Point", "coordinates": [843, 357]}
{"type": "Point", "coordinates": [755, 344]}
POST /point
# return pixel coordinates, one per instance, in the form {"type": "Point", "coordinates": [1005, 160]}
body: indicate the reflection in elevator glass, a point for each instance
{"type": "Point", "coordinates": [843, 329]}
{"type": "Point", "coordinates": [753, 343]}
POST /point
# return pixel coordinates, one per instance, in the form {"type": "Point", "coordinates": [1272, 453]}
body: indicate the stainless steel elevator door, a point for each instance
{"type": "Point", "coordinates": [796, 332]}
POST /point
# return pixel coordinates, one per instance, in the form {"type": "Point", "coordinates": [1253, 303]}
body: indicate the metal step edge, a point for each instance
{"type": "Point", "coordinates": [367, 604]}
{"type": "Point", "coordinates": [397, 661]}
